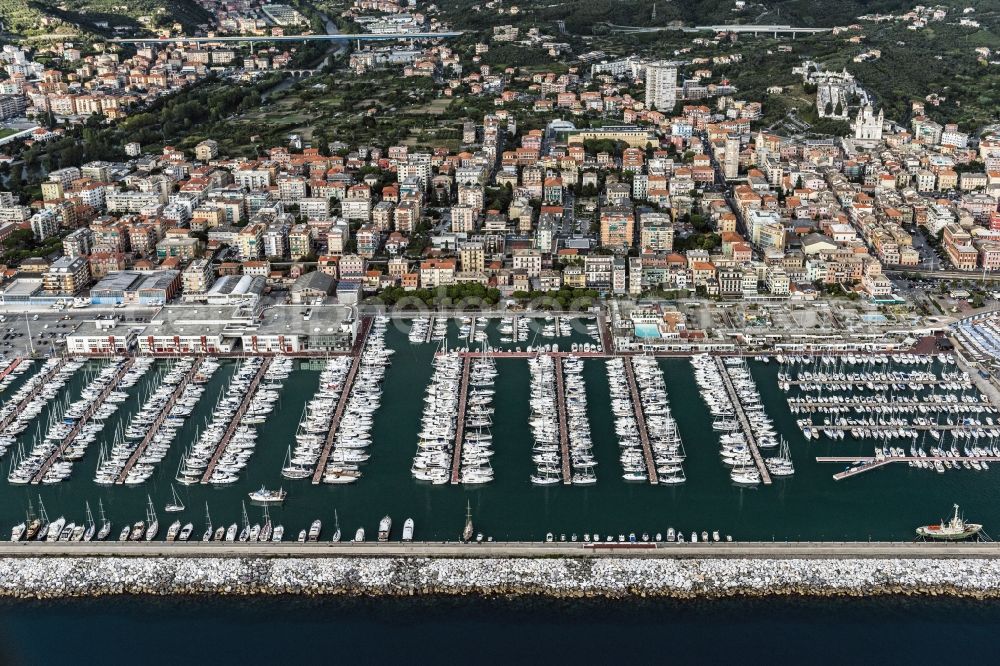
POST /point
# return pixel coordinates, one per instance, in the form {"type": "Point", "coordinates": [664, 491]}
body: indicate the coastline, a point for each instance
{"type": "Point", "coordinates": [58, 577]}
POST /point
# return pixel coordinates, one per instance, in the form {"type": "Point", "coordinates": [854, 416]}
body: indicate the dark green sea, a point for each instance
{"type": "Point", "coordinates": [885, 504]}
{"type": "Point", "coordinates": [494, 631]}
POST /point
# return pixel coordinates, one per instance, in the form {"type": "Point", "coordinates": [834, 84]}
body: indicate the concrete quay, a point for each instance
{"type": "Point", "coordinates": [512, 549]}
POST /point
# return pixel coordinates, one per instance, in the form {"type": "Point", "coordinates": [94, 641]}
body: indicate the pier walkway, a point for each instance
{"type": "Point", "coordinates": [607, 340]}
{"type": "Point", "coordinates": [866, 463]}
{"type": "Point", "coordinates": [927, 404]}
{"type": "Point", "coordinates": [16, 361]}
{"type": "Point", "coordinates": [640, 420]}
{"type": "Point", "coordinates": [877, 383]}
{"type": "Point", "coordinates": [345, 395]}
{"type": "Point", "coordinates": [154, 427]}
{"type": "Point", "coordinates": [430, 329]}
{"type": "Point", "coordinates": [237, 418]}
{"type": "Point", "coordinates": [338, 415]}
{"type": "Point", "coordinates": [563, 423]}
{"type": "Point", "coordinates": [28, 398]}
{"type": "Point", "coordinates": [463, 401]}
{"type": "Point", "coordinates": [744, 422]}
{"type": "Point", "coordinates": [75, 430]}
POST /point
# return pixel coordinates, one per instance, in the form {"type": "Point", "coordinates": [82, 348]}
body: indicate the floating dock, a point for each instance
{"type": "Point", "coordinates": [237, 418]}
{"type": "Point", "coordinates": [640, 420]}
{"type": "Point", "coordinates": [744, 422]}
{"type": "Point", "coordinates": [563, 421]}
{"type": "Point", "coordinates": [158, 421]}
{"type": "Point", "coordinates": [463, 399]}
{"type": "Point", "coordinates": [866, 463]}
{"type": "Point", "coordinates": [813, 405]}
{"type": "Point", "coordinates": [75, 430]}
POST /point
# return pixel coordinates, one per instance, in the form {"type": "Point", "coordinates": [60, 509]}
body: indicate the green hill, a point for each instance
{"type": "Point", "coordinates": [33, 17]}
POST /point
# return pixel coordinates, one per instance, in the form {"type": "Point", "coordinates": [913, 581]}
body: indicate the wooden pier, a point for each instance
{"type": "Point", "coordinates": [866, 463]}
{"type": "Point", "coordinates": [744, 422]}
{"type": "Point", "coordinates": [338, 415]}
{"type": "Point", "coordinates": [345, 395]}
{"type": "Point", "coordinates": [28, 398]}
{"type": "Point", "coordinates": [430, 329]}
{"type": "Point", "coordinates": [158, 421]}
{"type": "Point", "coordinates": [463, 400]}
{"type": "Point", "coordinates": [75, 430]}
{"type": "Point", "coordinates": [640, 420]}
{"type": "Point", "coordinates": [237, 418]}
{"type": "Point", "coordinates": [563, 423]}
{"type": "Point", "coordinates": [16, 361]}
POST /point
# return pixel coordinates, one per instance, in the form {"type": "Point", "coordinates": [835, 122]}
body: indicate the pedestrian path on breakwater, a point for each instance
{"type": "Point", "coordinates": [735, 550]}
{"type": "Point", "coordinates": [734, 398]}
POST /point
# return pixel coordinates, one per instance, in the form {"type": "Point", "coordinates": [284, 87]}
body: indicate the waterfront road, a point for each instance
{"type": "Point", "coordinates": [734, 550]}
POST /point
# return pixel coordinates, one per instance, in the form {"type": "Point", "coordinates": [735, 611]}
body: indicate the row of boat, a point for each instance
{"type": "Point", "coordinates": [353, 435]}
{"type": "Point", "coordinates": [155, 424]}
{"type": "Point", "coordinates": [27, 402]}
{"type": "Point", "coordinates": [816, 360]}
{"type": "Point", "coordinates": [317, 419]}
{"type": "Point", "coordinates": [438, 424]}
{"type": "Point", "coordinates": [231, 436]}
{"type": "Point", "coordinates": [546, 452]}
{"type": "Point", "coordinates": [15, 372]}
{"type": "Point", "coordinates": [75, 426]}
{"type": "Point", "coordinates": [671, 536]}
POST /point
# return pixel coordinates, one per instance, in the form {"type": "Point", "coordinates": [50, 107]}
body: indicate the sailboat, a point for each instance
{"type": "Point", "coordinates": [175, 505]}
{"type": "Point", "coordinates": [336, 527]}
{"type": "Point", "coordinates": [43, 531]}
{"type": "Point", "coordinates": [153, 525]}
{"type": "Point", "coordinates": [467, 532]}
{"type": "Point", "coordinates": [245, 532]}
{"type": "Point", "coordinates": [88, 533]}
{"type": "Point", "coordinates": [207, 536]}
{"type": "Point", "coordinates": [105, 530]}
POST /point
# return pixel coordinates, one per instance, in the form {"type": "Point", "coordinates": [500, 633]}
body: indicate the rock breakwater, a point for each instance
{"type": "Point", "coordinates": [57, 577]}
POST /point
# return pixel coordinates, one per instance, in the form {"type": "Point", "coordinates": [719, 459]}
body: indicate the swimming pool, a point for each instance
{"type": "Point", "coordinates": [647, 331]}
{"type": "Point", "coordinates": [874, 318]}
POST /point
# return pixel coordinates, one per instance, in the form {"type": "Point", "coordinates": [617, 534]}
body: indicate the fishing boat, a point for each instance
{"type": "Point", "coordinates": [314, 530]}
{"type": "Point", "coordinates": [173, 530]}
{"type": "Point", "coordinates": [175, 505]}
{"type": "Point", "coordinates": [955, 529]}
{"type": "Point", "coordinates": [384, 528]}
{"type": "Point", "coordinates": [265, 496]}
{"type": "Point", "coordinates": [408, 530]}
{"type": "Point", "coordinates": [467, 531]}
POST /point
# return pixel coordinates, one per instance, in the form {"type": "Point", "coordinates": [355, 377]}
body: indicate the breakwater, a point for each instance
{"type": "Point", "coordinates": [565, 577]}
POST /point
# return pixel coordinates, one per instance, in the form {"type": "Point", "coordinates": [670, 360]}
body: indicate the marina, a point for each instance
{"type": "Point", "coordinates": [563, 413]}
